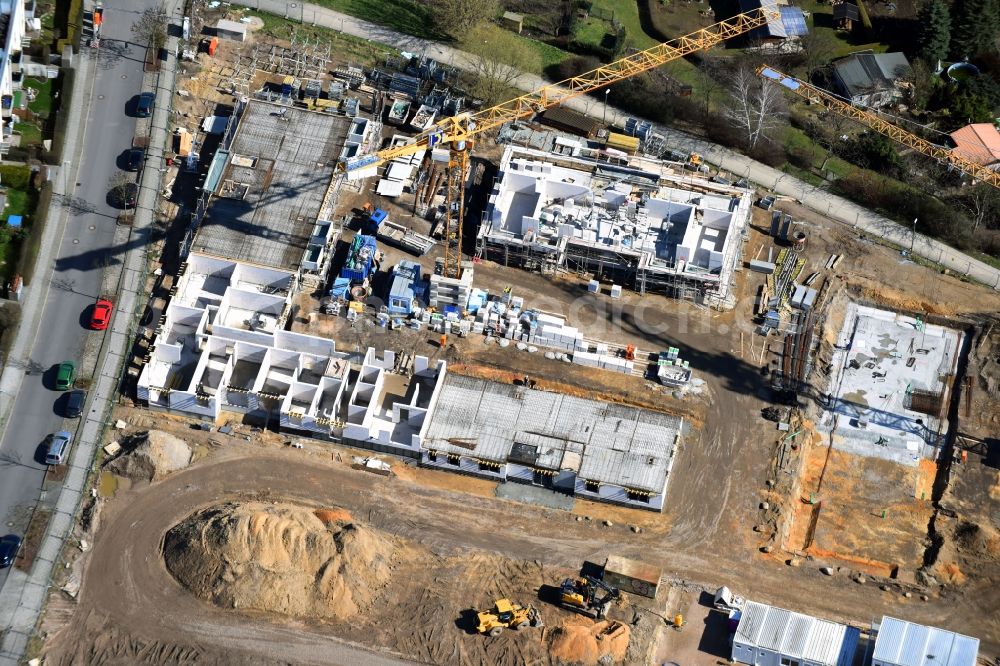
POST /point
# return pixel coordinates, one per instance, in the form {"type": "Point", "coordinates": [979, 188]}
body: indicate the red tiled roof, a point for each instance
{"type": "Point", "coordinates": [979, 143]}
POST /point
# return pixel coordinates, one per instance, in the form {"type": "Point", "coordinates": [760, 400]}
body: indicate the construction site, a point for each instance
{"type": "Point", "coordinates": [414, 393]}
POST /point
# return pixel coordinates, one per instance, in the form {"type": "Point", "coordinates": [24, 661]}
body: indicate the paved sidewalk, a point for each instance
{"type": "Point", "coordinates": [31, 591]}
{"type": "Point", "coordinates": [834, 207]}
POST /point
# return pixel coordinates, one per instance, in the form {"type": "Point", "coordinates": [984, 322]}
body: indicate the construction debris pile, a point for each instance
{"type": "Point", "coordinates": [151, 456]}
{"type": "Point", "coordinates": [280, 558]}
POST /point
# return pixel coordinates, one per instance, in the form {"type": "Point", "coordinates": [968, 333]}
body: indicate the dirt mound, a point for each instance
{"type": "Point", "coordinates": [280, 558]}
{"type": "Point", "coordinates": [333, 516]}
{"type": "Point", "coordinates": [897, 299]}
{"type": "Point", "coordinates": [152, 456]}
{"type": "Point", "coordinates": [580, 640]}
{"type": "Point", "coordinates": [976, 539]}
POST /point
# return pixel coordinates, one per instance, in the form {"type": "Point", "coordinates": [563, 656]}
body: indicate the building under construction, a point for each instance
{"type": "Point", "coordinates": [636, 223]}
{"type": "Point", "coordinates": [891, 385]}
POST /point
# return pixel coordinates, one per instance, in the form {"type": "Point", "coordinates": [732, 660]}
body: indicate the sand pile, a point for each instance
{"type": "Point", "coordinates": [281, 558]}
{"type": "Point", "coordinates": [155, 455]}
{"type": "Point", "coordinates": [580, 640]}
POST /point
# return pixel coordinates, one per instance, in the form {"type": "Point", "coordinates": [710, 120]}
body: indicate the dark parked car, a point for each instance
{"type": "Point", "coordinates": [134, 160]}
{"type": "Point", "coordinates": [10, 546]}
{"type": "Point", "coordinates": [144, 109]}
{"type": "Point", "coordinates": [74, 403]}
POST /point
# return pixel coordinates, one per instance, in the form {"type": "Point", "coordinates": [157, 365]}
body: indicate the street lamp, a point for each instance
{"type": "Point", "coordinates": [913, 234]}
{"type": "Point", "coordinates": [606, 93]}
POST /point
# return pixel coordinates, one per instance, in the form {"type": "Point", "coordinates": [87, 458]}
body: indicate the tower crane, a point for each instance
{"type": "Point", "coordinates": [875, 122]}
{"type": "Point", "coordinates": [459, 131]}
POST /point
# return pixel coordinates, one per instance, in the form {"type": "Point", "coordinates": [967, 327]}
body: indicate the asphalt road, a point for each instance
{"type": "Point", "coordinates": [85, 248]}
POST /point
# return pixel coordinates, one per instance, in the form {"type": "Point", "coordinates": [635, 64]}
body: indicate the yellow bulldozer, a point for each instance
{"type": "Point", "coordinates": [507, 614]}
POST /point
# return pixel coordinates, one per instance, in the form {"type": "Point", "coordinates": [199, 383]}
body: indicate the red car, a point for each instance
{"type": "Point", "coordinates": [102, 314]}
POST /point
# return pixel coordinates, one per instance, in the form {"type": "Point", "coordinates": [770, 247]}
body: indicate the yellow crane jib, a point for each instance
{"type": "Point", "coordinates": [467, 125]}
{"type": "Point", "coordinates": [875, 122]}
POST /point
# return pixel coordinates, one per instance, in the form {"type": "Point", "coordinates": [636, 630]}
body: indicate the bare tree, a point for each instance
{"type": "Point", "coordinates": [120, 186]}
{"type": "Point", "coordinates": [498, 58]}
{"type": "Point", "coordinates": [756, 107]}
{"type": "Point", "coordinates": [708, 81]}
{"type": "Point", "coordinates": [151, 27]}
{"type": "Point", "coordinates": [458, 17]}
{"type": "Point", "coordinates": [818, 48]}
{"type": "Point", "coordinates": [981, 202]}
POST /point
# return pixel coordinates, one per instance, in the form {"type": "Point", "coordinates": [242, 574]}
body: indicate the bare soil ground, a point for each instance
{"type": "Point", "coordinates": [839, 515]}
{"type": "Point", "coordinates": [131, 610]}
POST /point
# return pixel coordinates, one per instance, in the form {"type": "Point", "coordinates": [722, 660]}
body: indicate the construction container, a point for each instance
{"type": "Point", "coordinates": [184, 142]}
{"type": "Point", "coordinates": [213, 46]}
{"type": "Point", "coordinates": [776, 223]}
{"type": "Point", "coordinates": [360, 258]}
{"type": "Point", "coordinates": [378, 217]}
{"type": "Point", "coordinates": [632, 576]}
{"type": "Point", "coordinates": [628, 144]}
{"type": "Point", "coordinates": [568, 120]}
{"type": "Point", "coordinates": [786, 224]}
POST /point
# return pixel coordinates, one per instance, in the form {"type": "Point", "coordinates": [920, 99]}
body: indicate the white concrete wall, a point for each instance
{"type": "Point", "coordinates": [211, 266]}
{"type": "Point", "coordinates": [247, 275]}
{"type": "Point", "coordinates": [442, 371]}
{"type": "Point", "coordinates": [239, 335]}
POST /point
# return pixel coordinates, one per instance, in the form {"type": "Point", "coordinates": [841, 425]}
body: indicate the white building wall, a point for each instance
{"type": "Point", "coordinates": [15, 9]}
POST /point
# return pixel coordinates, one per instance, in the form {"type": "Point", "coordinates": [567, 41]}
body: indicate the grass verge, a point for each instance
{"type": "Point", "coordinates": [405, 16]}
{"type": "Point", "coordinates": [356, 49]}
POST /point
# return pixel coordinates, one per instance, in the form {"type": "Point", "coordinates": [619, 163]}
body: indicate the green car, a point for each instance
{"type": "Point", "coordinates": [65, 375]}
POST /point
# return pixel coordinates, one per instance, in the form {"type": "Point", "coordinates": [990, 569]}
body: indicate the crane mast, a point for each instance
{"type": "Point", "coordinates": [875, 122]}
{"type": "Point", "coordinates": [458, 131]}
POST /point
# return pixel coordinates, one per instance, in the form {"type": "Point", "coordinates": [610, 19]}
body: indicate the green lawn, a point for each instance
{"type": "Point", "coordinates": [356, 49]}
{"type": "Point", "coordinates": [16, 179]}
{"type": "Point", "coordinates": [46, 12]}
{"type": "Point", "coordinates": [412, 18]}
{"type": "Point", "coordinates": [797, 139]}
{"type": "Point", "coordinates": [986, 259]}
{"type": "Point", "coordinates": [21, 200]}
{"type": "Point", "coordinates": [591, 30]}
{"type": "Point", "coordinates": [625, 12]}
{"type": "Point", "coordinates": [17, 204]}
{"type": "Point", "coordinates": [30, 134]}
{"type": "Point", "coordinates": [549, 55]}
{"type": "Point", "coordinates": [42, 104]}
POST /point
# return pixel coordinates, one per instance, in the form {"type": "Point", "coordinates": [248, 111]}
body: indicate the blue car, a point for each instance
{"type": "Point", "coordinates": [10, 546]}
{"type": "Point", "coordinates": [144, 109]}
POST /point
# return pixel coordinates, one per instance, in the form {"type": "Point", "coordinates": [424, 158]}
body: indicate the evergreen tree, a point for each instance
{"type": "Point", "coordinates": [975, 27]}
{"type": "Point", "coordinates": [933, 31]}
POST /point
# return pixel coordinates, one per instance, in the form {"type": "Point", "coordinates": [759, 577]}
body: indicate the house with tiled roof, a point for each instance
{"type": "Point", "coordinates": [979, 143]}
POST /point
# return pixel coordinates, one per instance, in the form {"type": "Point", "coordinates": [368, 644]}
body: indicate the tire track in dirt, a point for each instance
{"type": "Point", "coordinates": [126, 585]}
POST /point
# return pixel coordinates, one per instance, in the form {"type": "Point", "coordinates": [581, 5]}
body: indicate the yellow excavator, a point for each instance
{"type": "Point", "coordinates": [581, 595]}
{"type": "Point", "coordinates": [506, 614]}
